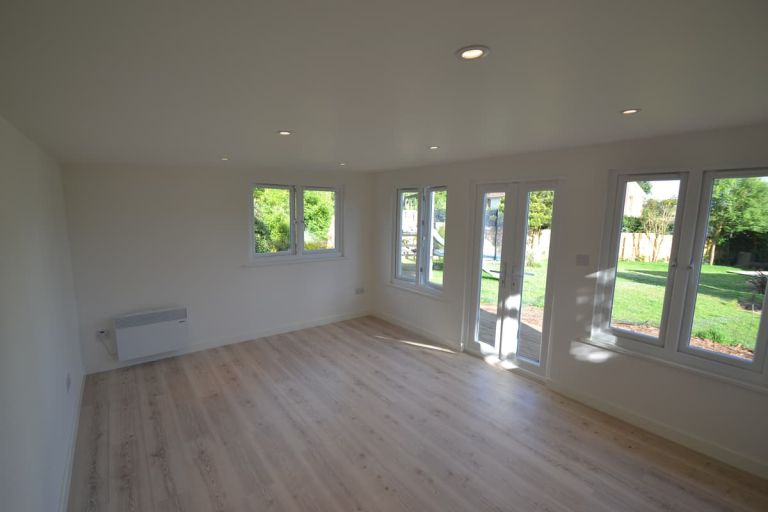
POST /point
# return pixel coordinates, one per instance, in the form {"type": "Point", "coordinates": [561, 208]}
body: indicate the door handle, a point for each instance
{"type": "Point", "coordinates": [503, 273]}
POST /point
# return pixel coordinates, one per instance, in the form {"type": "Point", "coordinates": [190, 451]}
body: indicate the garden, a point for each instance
{"type": "Point", "coordinates": [724, 308]}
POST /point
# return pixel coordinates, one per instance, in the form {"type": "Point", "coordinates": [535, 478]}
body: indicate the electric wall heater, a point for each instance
{"type": "Point", "coordinates": [150, 333]}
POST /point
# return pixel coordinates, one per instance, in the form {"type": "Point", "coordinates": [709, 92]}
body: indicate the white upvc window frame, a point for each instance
{"type": "Point", "coordinates": [758, 364]}
{"type": "Point", "coordinates": [421, 282]}
{"type": "Point", "coordinates": [672, 348]}
{"type": "Point", "coordinates": [296, 252]}
{"type": "Point", "coordinates": [612, 242]}
{"type": "Point", "coordinates": [398, 242]}
{"type": "Point", "coordinates": [337, 218]}
{"type": "Point", "coordinates": [427, 239]}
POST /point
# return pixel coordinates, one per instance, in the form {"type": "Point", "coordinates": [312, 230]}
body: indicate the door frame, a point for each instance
{"type": "Point", "coordinates": [516, 218]}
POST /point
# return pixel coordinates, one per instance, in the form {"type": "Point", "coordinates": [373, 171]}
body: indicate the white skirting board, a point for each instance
{"type": "Point", "coordinates": [196, 346]}
{"type": "Point", "coordinates": [694, 443]}
{"type": "Point", "coordinates": [453, 345]}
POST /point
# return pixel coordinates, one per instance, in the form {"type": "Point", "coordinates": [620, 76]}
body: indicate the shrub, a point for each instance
{"type": "Point", "coordinates": [711, 334]}
{"type": "Point", "coordinates": [758, 282]}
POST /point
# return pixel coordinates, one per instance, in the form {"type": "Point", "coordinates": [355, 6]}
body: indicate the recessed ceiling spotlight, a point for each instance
{"type": "Point", "coordinates": [630, 111]}
{"type": "Point", "coordinates": [225, 159]}
{"type": "Point", "coordinates": [285, 132]}
{"type": "Point", "coordinates": [342, 164]}
{"type": "Point", "coordinates": [474, 52]}
{"type": "Point", "coordinates": [433, 148]}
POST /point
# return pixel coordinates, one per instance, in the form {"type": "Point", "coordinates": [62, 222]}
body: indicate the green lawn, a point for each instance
{"type": "Point", "coordinates": [533, 291]}
{"type": "Point", "coordinates": [719, 316]}
{"type": "Point", "coordinates": [640, 297]}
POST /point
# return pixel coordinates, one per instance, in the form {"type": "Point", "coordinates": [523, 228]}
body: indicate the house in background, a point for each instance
{"type": "Point", "coordinates": [634, 200]}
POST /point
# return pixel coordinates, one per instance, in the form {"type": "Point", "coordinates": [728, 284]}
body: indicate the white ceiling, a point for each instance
{"type": "Point", "coordinates": [184, 82]}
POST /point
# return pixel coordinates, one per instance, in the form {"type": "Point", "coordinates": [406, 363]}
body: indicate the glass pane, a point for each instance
{"type": "Point", "coordinates": [645, 248]}
{"type": "Point", "coordinates": [408, 236]}
{"type": "Point", "coordinates": [731, 285]}
{"type": "Point", "coordinates": [438, 200]}
{"type": "Point", "coordinates": [319, 220]}
{"type": "Point", "coordinates": [493, 231]}
{"type": "Point", "coordinates": [271, 220]}
{"type": "Point", "coordinates": [538, 235]}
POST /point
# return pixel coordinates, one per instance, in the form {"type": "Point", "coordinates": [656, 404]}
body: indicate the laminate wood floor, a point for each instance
{"type": "Point", "coordinates": [350, 417]}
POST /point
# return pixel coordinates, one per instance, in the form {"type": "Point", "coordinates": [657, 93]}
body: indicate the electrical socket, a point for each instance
{"type": "Point", "coordinates": [359, 291]}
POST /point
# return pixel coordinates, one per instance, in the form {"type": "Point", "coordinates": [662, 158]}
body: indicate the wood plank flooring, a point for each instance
{"type": "Point", "coordinates": [353, 417]}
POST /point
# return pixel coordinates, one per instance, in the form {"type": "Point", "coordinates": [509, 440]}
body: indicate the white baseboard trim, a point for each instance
{"type": "Point", "coordinates": [197, 346]}
{"type": "Point", "coordinates": [453, 345]}
{"type": "Point", "coordinates": [70, 460]}
{"type": "Point", "coordinates": [695, 443]}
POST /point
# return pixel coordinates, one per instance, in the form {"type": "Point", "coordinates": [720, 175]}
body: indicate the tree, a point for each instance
{"type": "Point", "coordinates": [272, 219]}
{"type": "Point", "coordinates": [645, 186]}
{"type": "Point", "coordinates": [631, 224]}
{"type": "Point", "coordinates": [657, 219]}
{"type": "Point", "coordinates": [540, 210]}
{"type": "Point", "coordinates": [319, 214]}
{"type": "Point", "coordinates": [539, 213]}
{"type": "Point", "coordinates": [737, 204]}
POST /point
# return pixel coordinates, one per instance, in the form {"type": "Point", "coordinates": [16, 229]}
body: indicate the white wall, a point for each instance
{"type": "Point", "coordinates": [38, 331]}
{"type": "Point", "coordinates": [726, 421]}
{"type": "Point", "coordinates": [154, 237]}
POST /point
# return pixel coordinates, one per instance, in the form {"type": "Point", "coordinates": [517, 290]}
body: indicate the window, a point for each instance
{"type": "Point", "coordinates": [436, 238]}
{"type": "Point", "coordinates": [687, 284]}
{"type": "Point", "coordinates": [408, 235]}
{"type": "Point", "coordinates": [294, 221]}
{"type": "Point", "coordinates": [319, 214]}
{"type": "Point", "coordinates": [272, 220]}
{"type": "Point", "coordinates": [420, 236]}
{"type": "Point", "coordinates": [726, 318]}
{"type": "Point", "coordinates": [644, 255]}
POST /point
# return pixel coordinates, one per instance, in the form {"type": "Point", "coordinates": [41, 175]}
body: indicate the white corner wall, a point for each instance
{"type": "Point", "coordinates": [726, 421]}
{"type": "Point", "coordinates": [152, 237]}
{"type": "Point", "coordinates": [38, 331]}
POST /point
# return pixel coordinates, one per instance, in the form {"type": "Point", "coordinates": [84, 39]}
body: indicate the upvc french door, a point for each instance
{"type": "Point", "coordinates": [510, 300]}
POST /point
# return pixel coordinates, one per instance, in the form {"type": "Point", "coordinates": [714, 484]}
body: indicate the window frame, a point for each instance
{"type": "Point", "coordinates": [758, 363]}
{"type": "Point", "coordinates": [613, 238]}
{"type": "Point", "coordinates": [428, 239]}
{"type": "Point", "coordinates": [297, 253]}
{"type": "Point", "coordinates": [337, 221]}
{"type": "Point", "coordinates": [398, 246]}
{"type": "Point", "coordinates": [690, 235]}
{"type": "Point", "coordinates": [421, 281]}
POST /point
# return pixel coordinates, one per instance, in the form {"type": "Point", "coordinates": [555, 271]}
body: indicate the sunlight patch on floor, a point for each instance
{"type": "Point", "coordinates": [418, 344]}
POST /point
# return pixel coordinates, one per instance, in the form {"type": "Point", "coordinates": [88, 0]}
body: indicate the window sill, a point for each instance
{"type": "Point", "coordinates": [291, 259]}
{"type": "Point", "coordinates": [432, 293]}
{"type": "Point", "coordinates": [607, 342]}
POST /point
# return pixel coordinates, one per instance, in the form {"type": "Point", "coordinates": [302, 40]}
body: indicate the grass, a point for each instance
{"type": "Point", "coordinates": [639, 299]}
{"type": "Point", "coordinates": [719, 316]}
{"type": "Point", "coordinates": [533, 289]}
